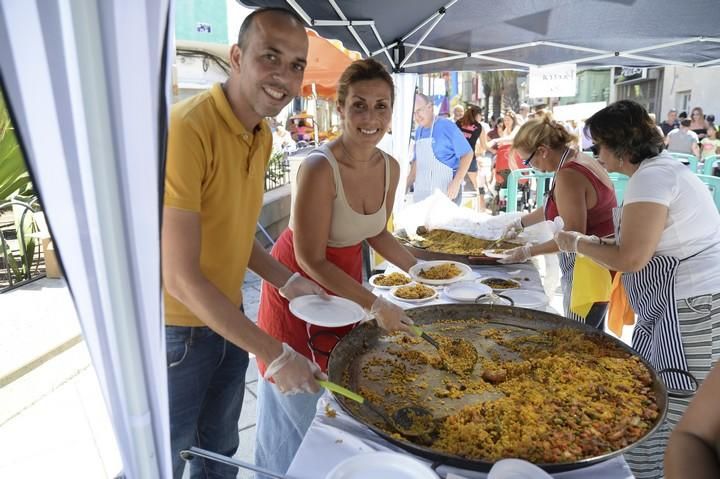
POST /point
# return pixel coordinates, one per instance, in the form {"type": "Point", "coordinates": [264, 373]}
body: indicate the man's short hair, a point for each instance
{"type": "Point", "coordinates": [424, 97]}
{"type": "Point", "coordinates": [686, 122]}
{"type": "Point", "coordinates": [250, 20]}
{"type": "Point", "coordinates": [672, 110]}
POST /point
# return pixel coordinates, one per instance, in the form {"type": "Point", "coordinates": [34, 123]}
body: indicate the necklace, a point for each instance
{"type": "Point", "coordinates": [353, 160]}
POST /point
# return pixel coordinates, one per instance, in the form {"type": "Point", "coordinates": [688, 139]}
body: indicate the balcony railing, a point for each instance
{"type": "Point", "coordinates": [278, 171]}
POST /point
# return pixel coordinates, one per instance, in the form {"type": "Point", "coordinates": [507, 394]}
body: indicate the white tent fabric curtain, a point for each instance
{"type": "Point", "coordinates": [87, 85]}
{"type": "Point", "coordinates": [401, 127]}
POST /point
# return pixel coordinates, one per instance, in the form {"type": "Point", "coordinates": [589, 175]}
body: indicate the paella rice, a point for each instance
{"type": "Point", "coordinates": [444, 241]}
{"type": "Point", "coordinates": [392, 279]}
{"type": "Point", "coordinates": [441, 271]}
{"type": "Point", "coordinates": [563, 398]}
{"type": "Point", "coordinates": [414, 291]}
{"type": "Point", "coordinates": [500, 283]}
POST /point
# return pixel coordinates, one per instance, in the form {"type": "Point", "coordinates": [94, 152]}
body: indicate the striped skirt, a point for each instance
{"type": "Point", "coordinates": [699, 319]}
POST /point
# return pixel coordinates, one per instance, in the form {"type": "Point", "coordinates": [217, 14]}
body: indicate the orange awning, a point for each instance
{"type": "Point", "coordinates": [327, 59]}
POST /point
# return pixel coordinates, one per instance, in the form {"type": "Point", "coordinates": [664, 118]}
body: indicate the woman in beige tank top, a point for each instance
{"type": "Point", "coordinates": [345, 193]}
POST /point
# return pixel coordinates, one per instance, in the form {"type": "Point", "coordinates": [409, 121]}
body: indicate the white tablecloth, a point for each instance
{"type": "Point", "coordinates": [331, 440]}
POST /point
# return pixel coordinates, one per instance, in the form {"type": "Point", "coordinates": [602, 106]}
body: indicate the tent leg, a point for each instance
{"type": "Point", "coordinates": [197, 452]}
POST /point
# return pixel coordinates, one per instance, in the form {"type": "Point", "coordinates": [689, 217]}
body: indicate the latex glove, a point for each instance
{"type": "Point", "coordinates": [390, 316]}
{"type": "Point", "coordinates": [557, 224]}
{"type": "Point", "coordinates": [297, 285]}
{"type": "Point", "coordinates": [568, 241]}
{"type": "Point", "coordinates": [512, 230]}
{"type": "Point", "coordinates": [293, 373]}
{"type": "Point", "coordinates": [516, 255]}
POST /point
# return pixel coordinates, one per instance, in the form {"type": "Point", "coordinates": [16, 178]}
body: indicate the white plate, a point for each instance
{"type": "Point", "coordinates": [415, 272]}
{"type": "Point", "coordinates": [517, 469]}
{"type": "Point", "coordinates": [422, 300]}
{"type": "Point", "coordinates": [467, 291]}
{"type": "Point", "coordinates": [504, 279]}
{"type": "Point", "coordinates": [494, 253]}
{"type": "Point", "coordinates": [331, 313]}
{"type": "Point", "coordinates": [524, 298]}
{"type": "Point", "coordinates": [372, 279]}
{"type": "Point", "coordinates": [381, 465]}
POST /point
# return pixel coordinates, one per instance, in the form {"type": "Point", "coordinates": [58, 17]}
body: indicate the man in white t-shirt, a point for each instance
{"type": "Point", "coordinates": [683, 140]}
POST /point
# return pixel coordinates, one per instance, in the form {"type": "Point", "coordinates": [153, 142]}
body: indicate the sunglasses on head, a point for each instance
{"type": "Point", "coordinates": [595, 148]}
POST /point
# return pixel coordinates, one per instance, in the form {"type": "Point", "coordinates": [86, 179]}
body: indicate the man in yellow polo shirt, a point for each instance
{"type": "Point", "coordinates": [218, 149]}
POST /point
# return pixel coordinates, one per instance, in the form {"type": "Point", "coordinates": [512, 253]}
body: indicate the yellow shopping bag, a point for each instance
{"type": "Point", "coordinates": [591, 284]}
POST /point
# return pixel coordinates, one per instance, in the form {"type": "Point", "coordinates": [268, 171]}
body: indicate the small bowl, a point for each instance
{"type": "Point", "coordinates": [509, 283]}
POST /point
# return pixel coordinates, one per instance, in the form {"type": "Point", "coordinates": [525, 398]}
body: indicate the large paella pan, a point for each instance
{"type": "Point", "coordinates": [440, 244]}
{"type": "Point", "coordinates": [556, 392]}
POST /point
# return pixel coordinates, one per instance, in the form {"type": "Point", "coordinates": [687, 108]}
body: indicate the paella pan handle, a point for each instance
{"type": "Point", "coordinates": [481, 260]}
{"type": "Point", "coordinates": [493, 296]}
{"type": "Point", "coordinates": [681, 393]}
{"type": "Point", "coordinates": [311, 342]}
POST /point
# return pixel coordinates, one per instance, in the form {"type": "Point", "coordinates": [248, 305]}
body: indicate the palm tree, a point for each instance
{"type": "Point", "coordinates": [487, 90]}
{"type": "Point", "coordinates": [510, 95]}
{"type": "Point", "coordinates": [493, 81]}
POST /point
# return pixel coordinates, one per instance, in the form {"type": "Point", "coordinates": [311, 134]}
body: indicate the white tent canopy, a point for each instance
{"type": "Point", "coordinates": [87, 87]}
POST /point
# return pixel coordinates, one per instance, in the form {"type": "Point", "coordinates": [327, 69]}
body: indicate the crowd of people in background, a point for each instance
{"type": "Point", "coordinates": [494, 158]}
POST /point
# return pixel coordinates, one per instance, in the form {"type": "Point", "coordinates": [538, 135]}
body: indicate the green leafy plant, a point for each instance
{"type": "Point", "coordinates": [15, 189]}
{"type": "Point", "coordinates": [14, 177]}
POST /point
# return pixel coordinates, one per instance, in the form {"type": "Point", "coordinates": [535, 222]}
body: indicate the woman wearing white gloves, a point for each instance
{"type": "Point", "coordinates": [668, 252]}
{"type": "Point", "coordinates": [345, 194]}
{"type": "Point", "coordinates": [581, 194]}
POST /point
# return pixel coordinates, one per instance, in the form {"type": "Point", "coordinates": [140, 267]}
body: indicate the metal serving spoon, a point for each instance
{"type": "Point", "coordinates": [457, 344]}
{"type": "Point", "coordinates": [410, 421]}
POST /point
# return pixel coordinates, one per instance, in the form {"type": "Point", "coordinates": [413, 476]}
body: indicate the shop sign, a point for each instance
{"type": "Point", "coordinates": [553, 81]}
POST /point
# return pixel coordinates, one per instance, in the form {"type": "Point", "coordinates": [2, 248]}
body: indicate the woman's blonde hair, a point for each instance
{"type": "Point", "coordinates": [542, 131]}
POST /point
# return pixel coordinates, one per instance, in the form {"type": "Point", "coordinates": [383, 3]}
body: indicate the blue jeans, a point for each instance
{"type": "Point", "coordinates": [206, 385]}
{"type": "Point", "coordinates": [282, 421]}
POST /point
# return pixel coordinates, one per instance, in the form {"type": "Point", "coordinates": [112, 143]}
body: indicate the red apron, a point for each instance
{"type": "Point", "coordinates": [275, 318]}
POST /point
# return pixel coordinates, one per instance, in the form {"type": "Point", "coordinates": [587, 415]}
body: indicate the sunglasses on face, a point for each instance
{"type": "Point", "coordinates": [595, 150]}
